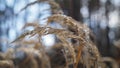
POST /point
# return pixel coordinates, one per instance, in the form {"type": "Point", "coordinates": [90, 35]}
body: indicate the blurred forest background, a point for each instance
{"type": "Point", "coordinates": [102, 16]}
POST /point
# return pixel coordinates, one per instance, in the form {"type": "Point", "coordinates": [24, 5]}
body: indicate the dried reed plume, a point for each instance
{"type": "Point", "coordinates": [74, 49]}
{"type": "Point", "coordinates": [72, 30]}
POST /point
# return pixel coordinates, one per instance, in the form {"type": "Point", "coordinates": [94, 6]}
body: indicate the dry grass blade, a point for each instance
{"type": "Point", "coordinates": [79, 55]}
{"type": "Point", "coordinates": [34, 24]}
{"type": "Point", "coordinates": [29, 5]}
{"type": "Point", "coordinates": [63, 20]}
{"type": "Point", "coordinates": [21, 37]}
{"type": "Point", "coordinates": [37, 30]}
{"type": "Point", "coordinates": [6, 64]}
{"type": "Point", "coordinates": [112, 61]}
{"type": "Point", "coordinates": [54, 6]}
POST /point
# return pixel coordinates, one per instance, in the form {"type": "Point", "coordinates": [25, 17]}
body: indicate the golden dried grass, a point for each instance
{"type": "Point", "coordinates": [73, 48]}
